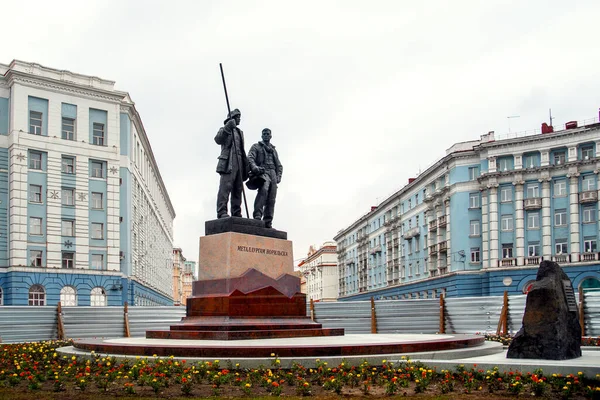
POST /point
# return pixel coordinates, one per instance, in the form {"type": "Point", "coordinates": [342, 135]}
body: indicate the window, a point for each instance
{"type": "Point", "coordinates": [473, 173]}
{"type": "Point", "coordinates": [560, 157]}
{"type": "Point", "coordinates": [507, 223]}
{"type": "Point", "coordinates": [97, 230]}
{"type": "Point", "coordinates": [97, 261]}
{"type": "Point", "coordinates": [68, 259]}
{"type": "Point", "coordinates": [35, 122]}
{"type": "Point", "coordinates": [507, 251]}
{"type": "Point", "coordinates": [98, 297]}
{"type": "Point", "coordinates": [68, 197]}
{"type": "Point", "coordinates": [98, 134]}
{"type": "Point", "coordinates": [475, 255]}
{"type": "Point", "coordinates": [533, 250]}
{"type": "Point", "coordinates": [97, 170]}
{"type": "Point", "coordinates": [506, 194]}
{"type": "Point", "coordinates": [37, 295]}
{"type": "Point", "coordinates": [533, 190]}
{"type": "Point", "coordinates": [533, 220]}
{"type": "Point", "coordinates": [35, 193]}
{"type": "Point", "coordinates": [529, 161]}
{"type": "Point", "coordinates": [1, 297]}
{"type": "Point", "coordinates": [473, 200]}
{"type": "Point", "coordinates": [97, 200]}
{"type": "Point", "coordinates": [35, 226]}
{"type": "Point", "coordinates": [67, 227]}
{"type": "Point", "coordinates": [68, 296]}
{"type": "Point", "coordinates": [416, 199]}
{"type": "Point", "coordinates": [503, 164]}
{"type": "Point", "coordinates": [68, 165]}
{"type": "Point", "coordinates": [588, 182]}
{"type": "Point", "coordinates": [68, 128]}
{"type": "Point", "coordinates": [35, 160]}
{"type": "Point", "coordinates": [589, 215]}
{"type": "Point", "coordinates": [35, 258]}
{"type": "Point", "coordinates": [561, 246]}
{"type": "Point", "coordinates": [589, 246]}
{"type": "Point", "coordinates": [475, 228]}
{"type": "Point", "coordinates": [587, 152]}
{"type": "Point", "coordinates": [560, 217]}
{"type": "Point", "coordinates": [560, 188]}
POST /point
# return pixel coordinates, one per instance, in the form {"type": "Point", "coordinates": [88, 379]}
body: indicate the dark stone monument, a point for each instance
{"type": "Point", "coordinates": [551, 329]}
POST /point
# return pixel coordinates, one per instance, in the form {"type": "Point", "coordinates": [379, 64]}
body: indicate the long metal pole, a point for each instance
{"type": "Point", "coordinates": [233, 139]}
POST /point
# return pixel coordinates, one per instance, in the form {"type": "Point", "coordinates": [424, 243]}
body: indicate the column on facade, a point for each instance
{"type": "Point", "coordinates": [431, 238]}
{"type": "Point", "coordinates": [493, 226]}
{"type": "Point", "coordinates": [485, 260]}
{"type": "Point", "coordinates": [53, 212]}
{"type": "Point", "coordinates": [439, 212]}
{"type": "Point", "coordinates": [546, 220]}
{"type": "Point", "coordinates": [448, 236]}
{"type": "Point", "coordinates": [598, 194]}
{"type": "Point", "coordinates": [574, 217]}
{"type": "Point", "coordinates": [519, 223]}
{"type": "Point", "coordinates": [18, 206]}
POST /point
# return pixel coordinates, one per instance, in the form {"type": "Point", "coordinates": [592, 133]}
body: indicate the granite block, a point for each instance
{"type": "Point", "coordinates": [241, 225]}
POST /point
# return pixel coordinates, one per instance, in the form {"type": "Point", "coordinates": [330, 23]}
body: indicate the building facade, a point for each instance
{"type": "Point", "coordinates": [480, 220]}
{"type": "Point", "coordinates": [320, 272]}
{"type": "Point", "coordinates": [178, 262]}
{"type": "Point", "coordinates": [85, 217]}
{"type": "Point", "coordinates": [188, 277]}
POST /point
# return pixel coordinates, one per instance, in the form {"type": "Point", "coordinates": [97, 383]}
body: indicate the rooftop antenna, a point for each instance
{"type": "Point", "coordinates": [509, 118]}
{"type": "Point", "coordinates": [550, 112]}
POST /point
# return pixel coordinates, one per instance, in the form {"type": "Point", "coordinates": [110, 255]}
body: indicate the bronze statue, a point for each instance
{"type": "Point", "coordinates": [265, 175]}
{"type": "Point", "coordinates": [232, 165]}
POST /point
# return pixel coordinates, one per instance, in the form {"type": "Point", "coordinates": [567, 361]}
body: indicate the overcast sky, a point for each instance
{"type": "Point", "coordinates": [359, 95]}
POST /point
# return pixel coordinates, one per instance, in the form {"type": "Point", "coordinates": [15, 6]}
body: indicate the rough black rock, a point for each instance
{"type": "Point", "coordinates": [242, 225]}
{"type": "Point", "coordinates": [551, 329]}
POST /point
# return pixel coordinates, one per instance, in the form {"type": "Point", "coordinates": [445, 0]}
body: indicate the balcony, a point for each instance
{"type": "Point", "coordinates": [533, 260]}
{"type": "Point", "coordinates": [443, 247]}
{"type": "Point", "coordinates": [583, 257]}
{"type": "Point", "coordinates": [561, 258]}
{"type": "Point", "coordinates": [442, 221]}
{"type": "Point", "coordinates": [350, 261]}
{"type": "Point", "coordinates": [534, 203]}
{"type": "Point", "coordinates": [374, 250]}
{"type": "Point", "coordinates": [432, 225]}
{"type": "Point", "coordinates": [507, 262]}
{"type": "Point", "coordinates": [433, 249]}
{"type": "Point", "coordinates": [590, 196]}
{"type": "Point", "coordinates": [411, 233]}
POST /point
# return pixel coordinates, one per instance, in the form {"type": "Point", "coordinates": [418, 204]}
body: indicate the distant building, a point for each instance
{"type": "Point", "coordinates": [320, 272]}
{"type": "Point", "coordinates": [480, 220]}
{"type": "Point", "coordinates": [188, 277]}
{"type": "Point", "coordinates": [85, 218]}
{"type": "Point", "coordinates": [178, 268]}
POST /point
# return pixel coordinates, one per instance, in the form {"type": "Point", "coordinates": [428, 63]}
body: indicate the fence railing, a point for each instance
{"type": "Point", "coordinates": [491, 314]}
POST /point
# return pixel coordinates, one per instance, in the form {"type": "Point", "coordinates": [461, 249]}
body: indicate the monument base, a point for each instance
{"type": "Point", "coordinates": [252, 306]}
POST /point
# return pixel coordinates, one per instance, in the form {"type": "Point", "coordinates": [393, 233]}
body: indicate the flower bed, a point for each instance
{"type": "Point", "coordinates": [36, 367]}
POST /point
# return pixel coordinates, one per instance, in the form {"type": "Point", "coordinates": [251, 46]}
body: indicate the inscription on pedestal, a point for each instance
{"type": "Point", "coordinates": [229, 255]}
{"type": "Point", "coordinates": [262, 251]}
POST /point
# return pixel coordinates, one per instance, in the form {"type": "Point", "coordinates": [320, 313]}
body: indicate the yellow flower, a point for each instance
{"type": "Point", "coordinates": [248, 385]}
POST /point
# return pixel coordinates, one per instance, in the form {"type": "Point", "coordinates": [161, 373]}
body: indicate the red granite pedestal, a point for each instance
{"type": "Point", "coordinates": [263, 301]}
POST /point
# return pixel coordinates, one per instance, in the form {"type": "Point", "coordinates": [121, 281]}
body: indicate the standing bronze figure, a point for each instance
{"type": "Point", "coordinates": [232, 165]}
{"type": "Point", "coordinates": [266, 170]}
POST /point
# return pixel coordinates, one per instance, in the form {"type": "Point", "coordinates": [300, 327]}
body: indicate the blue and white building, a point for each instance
{"type": "Point", "coordinates": [480, 220]}
{"type": "Point", "coordinates": [85, 217]}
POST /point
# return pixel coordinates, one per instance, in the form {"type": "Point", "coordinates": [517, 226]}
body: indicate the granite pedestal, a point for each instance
{"type": "Point", "coordinates": [246, 287]}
